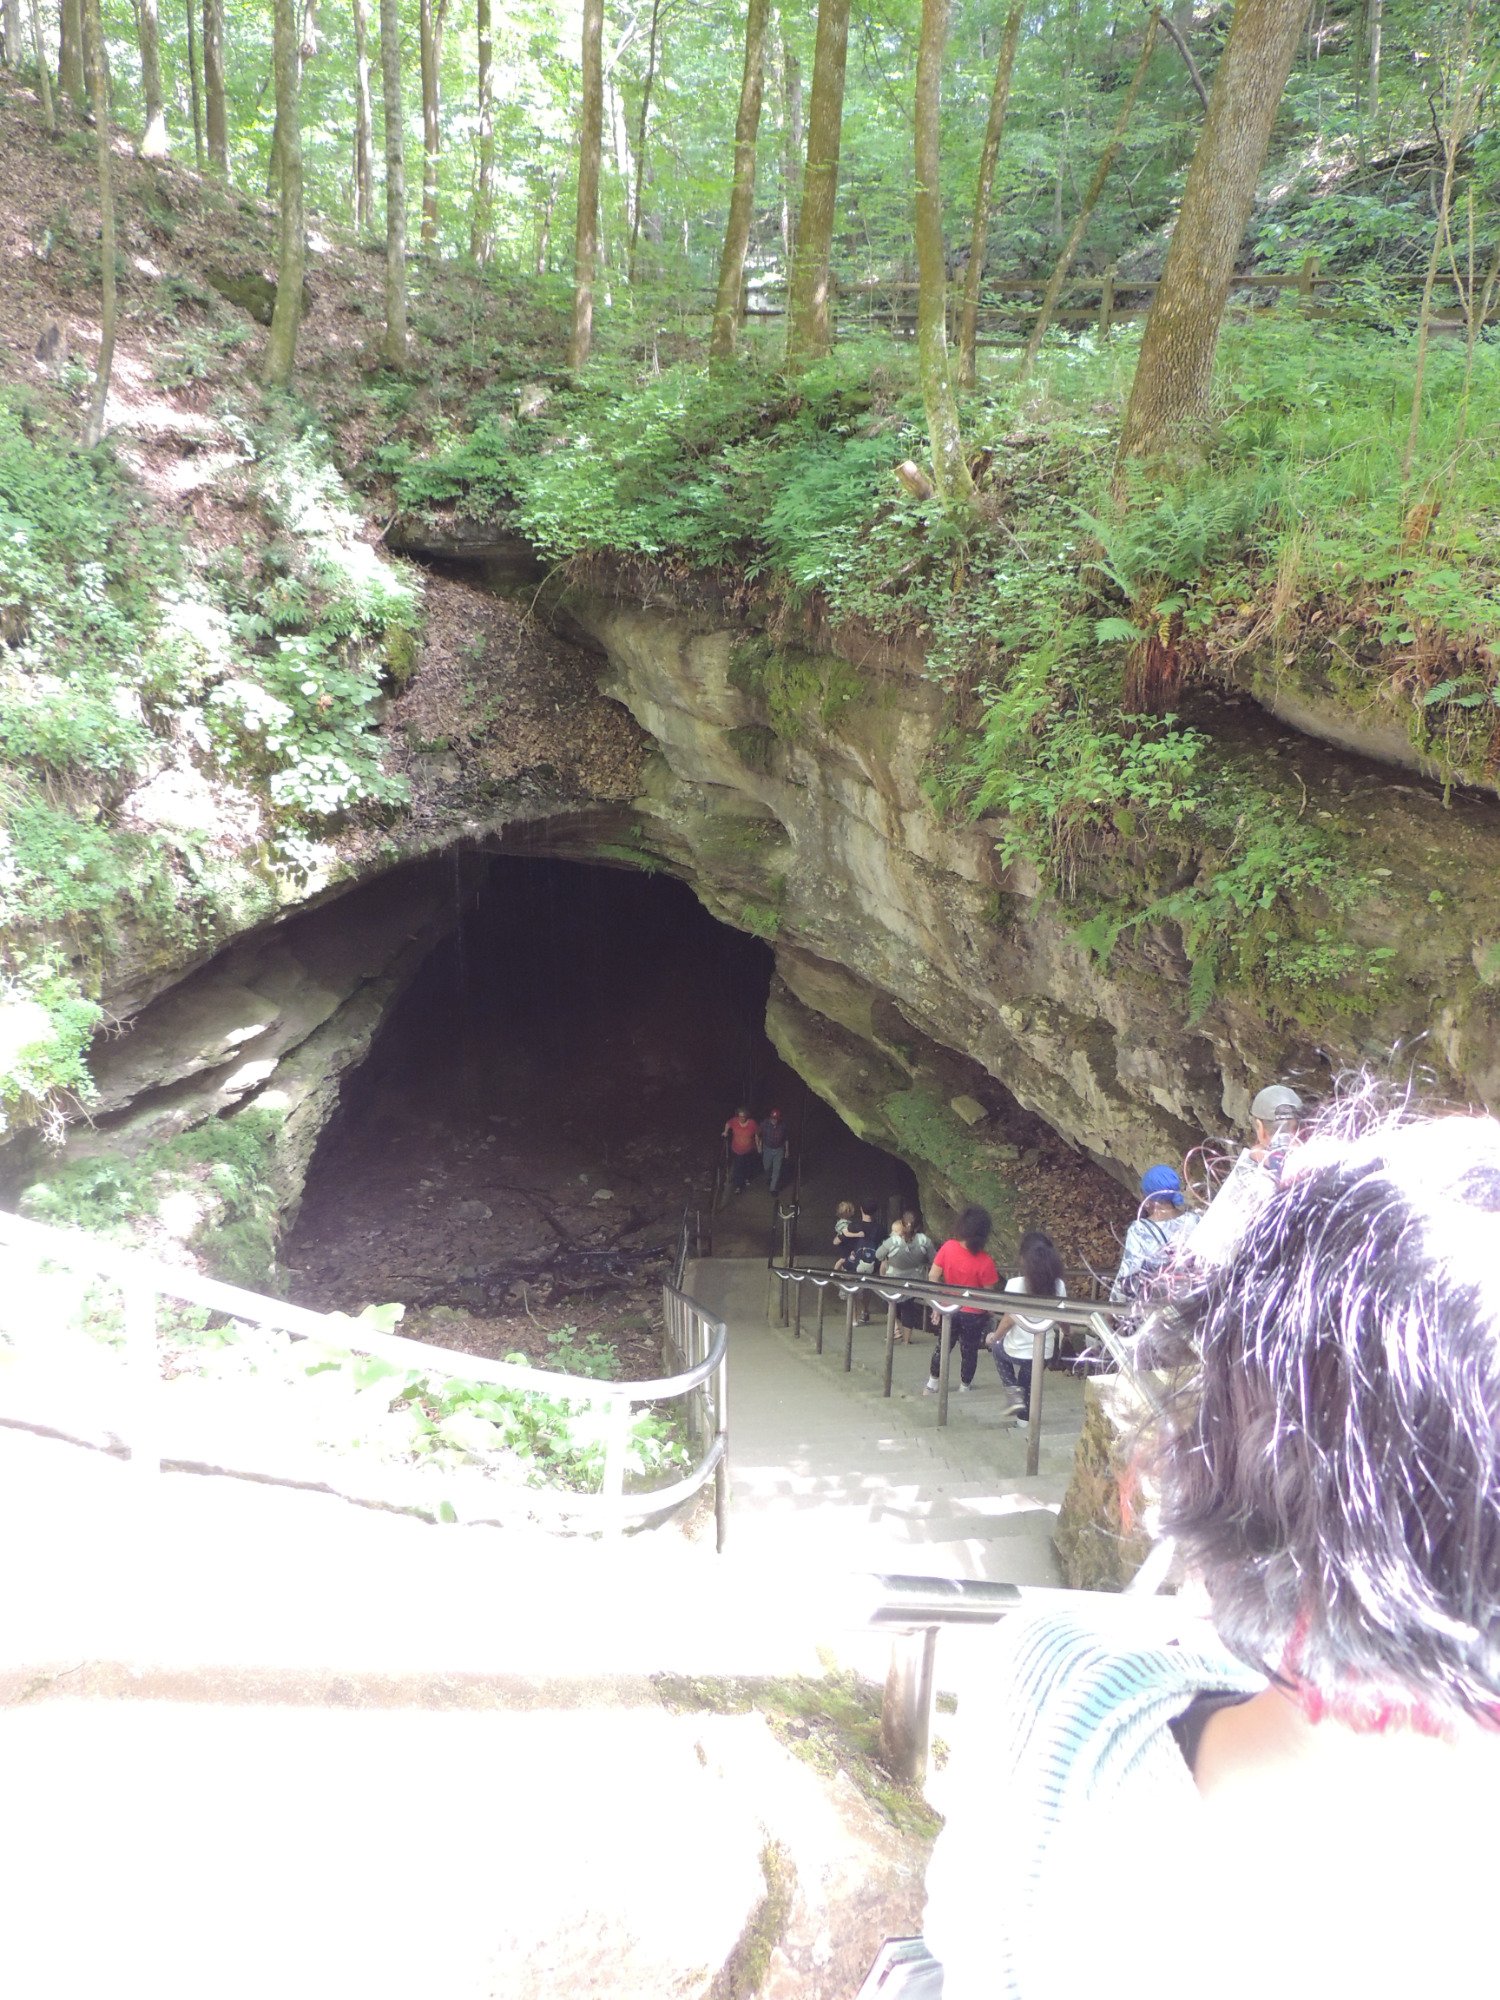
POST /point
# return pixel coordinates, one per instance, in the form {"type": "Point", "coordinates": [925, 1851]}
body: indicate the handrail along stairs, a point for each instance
{"type": "Point", "coordinates": [698, 1340]}
{"type": "Point", "coordinates": [1094, 1316]}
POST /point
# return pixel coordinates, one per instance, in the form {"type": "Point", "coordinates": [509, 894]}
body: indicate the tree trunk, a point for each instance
{"type": "Point", "coordinates": [590, 139]}
{"type": "Point", "coordinates": [364, 124]}
{"type": "Point", "coordinates": [809, 314]}
{"type": "Point", "coordinates": [968, 335]}
{"type": "Point", "coordinates": [1463, 109]}
{"type": "Point", "coordinates": [70, 77]}
{"type": "Point", "coordinates": [742, 197]}
{"type": "Point", "coordinates": [1175, 371]}
{"type": "Point", "coordinates": [1374, 25]}
{"type": "Point", "coordinates": [950, 471]}
{"type": "Point", "coordinates": [1095, 188]}
{"type": "Point", "coordinates": [430, 17]}
{"type": "Point", "coordinates": [154, 145]}
{"type": "Point", "coordinates": [791, 157]}
{"type": "Point", "coordinates": [43, 68]}
{"type": "Point", "coordinates": [216, 120]}
{"type": "Point", "coordinates": [544, 234]}
{"type": "Point", "coordinates": [93, 39]}
{"type": "Point", "coordinates": [14, 47]}
{"type": "Point", "coordinates": [195, 90]}
{"type": "Point", "coordinates": [291, 258]}
{"type": "Point", "coordinates": [394, 347]}
{"type": "Point", "coordinates": [640, 143]}
{"type": "Point", "coordinates": [482, 224]}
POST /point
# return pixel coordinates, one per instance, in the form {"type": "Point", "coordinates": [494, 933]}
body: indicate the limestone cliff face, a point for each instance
{"type": "Point", "coordinates": [789, 789]}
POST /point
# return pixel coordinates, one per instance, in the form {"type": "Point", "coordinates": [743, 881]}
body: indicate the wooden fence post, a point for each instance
{"type": "Point", "coordinates": [1107, 303]}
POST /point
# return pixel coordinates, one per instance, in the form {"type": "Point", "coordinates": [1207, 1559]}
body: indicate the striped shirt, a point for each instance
{"type": "Point", "coordinates": [1066, 1796]}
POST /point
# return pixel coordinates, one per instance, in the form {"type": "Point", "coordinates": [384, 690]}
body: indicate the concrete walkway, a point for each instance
{"type": "Point", "coordinates": [828, 1475]}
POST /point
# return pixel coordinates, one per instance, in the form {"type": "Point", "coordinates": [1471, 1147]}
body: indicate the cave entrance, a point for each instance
{"type": "Point", "coordinates": [541, 1102]}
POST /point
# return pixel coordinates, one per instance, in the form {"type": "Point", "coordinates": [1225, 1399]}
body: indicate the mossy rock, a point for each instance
{"type": "Point", "coordinates": [252, 291]}
{"type": "Point", "coordinates": [400, 652]}
{"type": "Point", "coordinates": [753, 745]}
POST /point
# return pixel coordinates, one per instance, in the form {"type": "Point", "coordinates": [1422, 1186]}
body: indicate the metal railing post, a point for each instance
{"type": "Point", "coordinates": [944, 1357]}
{"type": "Point", "coordinates": [849, 1332]}
{"type": "Point", "coordinates": [721, 1470]}
{"type": "Point", "coordinates": [788, 1222]}
{"type": "Point", "coordinates": [1034, 1415]}
{"type": "Point", "coordinates": [822, 1309]}
{"type": "Point", "coordinates": [890, 1343]}
{"type": "Point", "coordinates": [906, 1711]}
{"type": "Point", "coordinates": [799, 1289]}
{"type": "Point", "coordinates": [140, 1349]}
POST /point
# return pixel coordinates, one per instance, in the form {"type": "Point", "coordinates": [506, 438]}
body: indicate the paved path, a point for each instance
{"type": "Point", "coordinates": [829, 1475]}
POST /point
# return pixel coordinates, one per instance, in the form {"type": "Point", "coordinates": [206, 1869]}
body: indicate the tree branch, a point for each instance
{"type": "Point", "coordinates": [1179, 42]}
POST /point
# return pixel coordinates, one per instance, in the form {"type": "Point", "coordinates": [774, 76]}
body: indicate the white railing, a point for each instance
{"type": "Point", "coordinates": [698, 1340]}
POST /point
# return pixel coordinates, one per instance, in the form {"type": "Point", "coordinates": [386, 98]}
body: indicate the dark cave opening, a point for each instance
{"type": "Point", "coordinates": [546, 1095]}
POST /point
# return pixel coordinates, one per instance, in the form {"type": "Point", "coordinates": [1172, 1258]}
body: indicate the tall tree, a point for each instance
{"type": "Point", "coordinates": [1175, 371]}
{"type": "Point", "coordinates": [394, 346]}
{"type": "Point", "coordinates": [216, 118]}
{"type": "Point", "coordinates": [648, 84]}
{"type": "Point", "coordinates": [742, 196]}
{"type": "Point", "coordinates": [791, 147]}
{"type": "Point", "coordinates": [482, 222]}
{"type": "Point", "coordinates": [809, 310]}
{"type": "Point", "coordinates": [43, 67]}
{"type": "Point", "coordinates": [590, 140]}
{"type": "Point", "coordinates": [195, 93]}
{"type": "Point", "coordinates": [364, 124]}
{"type": "Point", "coordinates": [1374, 28]}
{"type": "Point", "coordinates": [154, 139]}
{"type": "Point", "coordinates": [431, 16]}
{"type": "Point", "coordinates": [1095, 188]}
{"type": "Point", "coordinates": [93, 39]}
{"type": "Point", "coordinates": [70, 77]}
{"type": "Point", "coordinates": [950, 470]}
{"type": "Point", "coordinates": [979, 233]}
{"type": "Point", "coordinates": [12, 46]}
{"type": "Point", "coordinates": [291, 256]}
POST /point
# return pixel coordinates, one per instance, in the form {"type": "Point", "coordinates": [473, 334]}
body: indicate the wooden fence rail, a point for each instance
{"type": "Point", "coordinates": [891, 302]}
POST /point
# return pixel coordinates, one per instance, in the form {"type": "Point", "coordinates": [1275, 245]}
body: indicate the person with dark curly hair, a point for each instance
{"type": "Point", "coordinates": [1295, 1796]}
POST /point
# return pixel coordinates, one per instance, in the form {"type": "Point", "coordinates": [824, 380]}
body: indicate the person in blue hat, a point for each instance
{"type": "Point", "coordinates": [1162, 1226]}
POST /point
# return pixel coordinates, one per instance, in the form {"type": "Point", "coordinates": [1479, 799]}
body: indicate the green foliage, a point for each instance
{"type": "Point", "coordinates": [209, 1188]}
{"type": "Point", "coordinates": [124, 656]}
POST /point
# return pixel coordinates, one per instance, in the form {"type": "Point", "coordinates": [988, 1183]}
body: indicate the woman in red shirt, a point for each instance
{"type": "Point", "coordinates": [963, 1260]}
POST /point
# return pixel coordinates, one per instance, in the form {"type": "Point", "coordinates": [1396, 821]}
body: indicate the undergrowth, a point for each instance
{"type": "Point", "coordinates": [209, 1189]}
{"type": "Point", "coordinates": [183, 726]}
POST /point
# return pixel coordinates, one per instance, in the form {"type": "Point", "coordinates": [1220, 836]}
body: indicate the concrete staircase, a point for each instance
{"type": "Point", "coordinates": [828, 1474]}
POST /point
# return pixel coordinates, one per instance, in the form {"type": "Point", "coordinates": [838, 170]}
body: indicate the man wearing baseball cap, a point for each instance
{"type": "Point", "coordinates": [1276, 1113]}
{"type": "Point", "coordinates": [1156, 1235]}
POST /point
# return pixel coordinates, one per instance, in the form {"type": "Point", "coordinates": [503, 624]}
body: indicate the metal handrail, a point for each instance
{"type": "Point", "coordinates": [1095, 1316]}
{"type": "Point", "coordinates": [702, 1340]}
{"type": "Point", "coordinates": [915, 1608]}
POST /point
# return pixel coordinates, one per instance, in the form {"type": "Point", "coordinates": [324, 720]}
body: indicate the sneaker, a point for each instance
{"type": "Point", "coordinates": [964, 1388]}
{"type": "Point", "coordinates": [1021, 1412]}
{"type": "Point", "coordinates": [929, 1387]}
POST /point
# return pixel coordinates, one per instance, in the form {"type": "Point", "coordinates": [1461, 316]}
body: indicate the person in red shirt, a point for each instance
{"type": "Point", "coordinates": [743, 1135]}
{"type": "Point", "coordinates": [963, 1260]}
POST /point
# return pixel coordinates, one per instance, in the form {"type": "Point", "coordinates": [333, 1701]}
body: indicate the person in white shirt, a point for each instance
{"type": "Point", "coordinates": [1013, 1342]}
